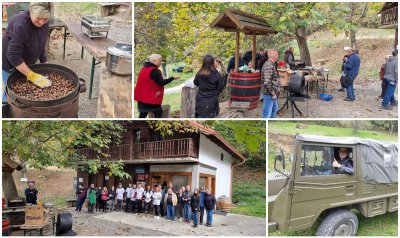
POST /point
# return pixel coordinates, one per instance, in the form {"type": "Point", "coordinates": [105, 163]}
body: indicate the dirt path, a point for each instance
{"type": "Point", "coordinates": [365, 106]}
{"type": "Point", "coordinates": [124, 224]}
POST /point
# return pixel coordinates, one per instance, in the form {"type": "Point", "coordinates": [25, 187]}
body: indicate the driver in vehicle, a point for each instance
{"type": "Point", "coordinates": [345, 163]}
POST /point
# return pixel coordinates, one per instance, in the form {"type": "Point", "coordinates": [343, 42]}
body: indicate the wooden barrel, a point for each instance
{"type": "Point", "coordinates": [224, 203]}
{"type": "Point", "coordinates": [245, 89]}
{"type": "Point", "coordinates": [6, 227]}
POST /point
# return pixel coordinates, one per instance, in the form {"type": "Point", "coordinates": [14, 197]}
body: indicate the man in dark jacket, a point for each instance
{"type": "Point", "coordinates": [289, 58]}
{"type": "Point", "coordinates": [31, 193]}
{"type": "Point", "coordinates": [345, 163]}
{"type": "Point", "coordinates": [98, 198]}
{"type": "Point", "coordinates": [186, 203]}
{"type": "Point", "coordinates": [231, 64]}
{"type": "Point", "coordinates": [202, 197]}
{"type": "Point", "coordinates": [390, 78]}
{"type": "Point", "coordinates": [209, 203]}
{"type": "Point", "coordinates": [81, 196]}
{"type": "Point", "coordinates": [351, 68]}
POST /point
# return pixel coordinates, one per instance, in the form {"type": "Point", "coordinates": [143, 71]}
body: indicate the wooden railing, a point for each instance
{"type": "Point", "coordinates": [170, 148]}
{"type": "Point", "coordinates": [389, 17]}
{"type": "Point", "coordinates": [147, 150]}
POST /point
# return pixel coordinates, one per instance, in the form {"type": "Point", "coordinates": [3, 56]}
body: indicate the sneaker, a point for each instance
{"type": "Point", "coordinates": [348, 100]}
{"type": "Point", "coordinates": [155, 217]}
{"type": "Point", "coordinates": [393, 104]}
{"type": "Point", "coordinates": [386, 108]}
{"type": "Point", "coordinates": [341, 89]}
{"type": "Point", "coordinates": [180, 219]}
{"type": "Point", "coordinates": [158, 217]}
{"type": "Point", "coordinates": [201, 223]}
{"type": "Point", "coordinates": [195, 226]}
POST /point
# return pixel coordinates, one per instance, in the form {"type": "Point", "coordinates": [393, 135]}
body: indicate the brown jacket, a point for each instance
{"type": "Point", "coordinates": [271, 84]}
{"type": "Point", "coordinates": [174, 199]}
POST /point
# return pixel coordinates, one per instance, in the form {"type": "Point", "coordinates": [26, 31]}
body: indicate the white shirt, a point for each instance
{"type": "Point", "coordinates": [147, 196]}
{"type": "Point", "coordinates": [120, 193]}
{"type": "Point", "coordinates": [139, 193]}
{"type": "Point", "coordinates": [129, 192]}
{"type": "Point", "coordinates": [157, 198]}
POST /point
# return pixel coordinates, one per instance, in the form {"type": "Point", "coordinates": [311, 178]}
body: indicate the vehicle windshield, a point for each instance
{"type": "Point", "coordinates": [320, 160]}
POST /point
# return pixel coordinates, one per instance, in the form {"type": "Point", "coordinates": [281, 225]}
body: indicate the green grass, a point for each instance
{"type": "Point", "coordinates": [289, 128]}
{"type": "Point", "coordinates": [81, 7]}
{"type": "Point", "coordinates": [184, 75]}
{"type": "Point", "coordinates": [251, 198]}
{"type": "Point", "coordinates": [384, 225]}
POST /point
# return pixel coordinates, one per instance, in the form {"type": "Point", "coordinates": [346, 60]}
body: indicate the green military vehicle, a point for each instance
{"type": "Point", "coordinates": [313, 188]}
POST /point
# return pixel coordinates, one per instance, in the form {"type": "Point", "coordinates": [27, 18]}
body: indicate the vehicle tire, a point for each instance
{"type": "Point", "coordinates": [339, 223]}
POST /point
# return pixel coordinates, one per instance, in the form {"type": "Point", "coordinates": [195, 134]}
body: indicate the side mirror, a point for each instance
{"type": "Point", "coordinates": [291, 158]}
{"type": "Point", "coordinates": [281, 158]}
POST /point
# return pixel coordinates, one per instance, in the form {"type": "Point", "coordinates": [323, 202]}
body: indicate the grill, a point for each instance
{"type": "Point", "coordinates": [95, 27]}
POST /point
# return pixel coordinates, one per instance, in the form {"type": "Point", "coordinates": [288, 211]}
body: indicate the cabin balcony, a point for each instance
{"type": "Point", "coordinates": [172, 151]}
{"type": "Point", "coordinates": [389, 18]}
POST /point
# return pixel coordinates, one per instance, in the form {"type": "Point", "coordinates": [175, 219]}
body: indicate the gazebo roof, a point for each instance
{"type": "Point", "coordinates": [238, 21]}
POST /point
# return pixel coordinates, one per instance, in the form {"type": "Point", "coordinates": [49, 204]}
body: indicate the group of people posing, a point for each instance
{"type": "Point", "coordinates": [135, 199]}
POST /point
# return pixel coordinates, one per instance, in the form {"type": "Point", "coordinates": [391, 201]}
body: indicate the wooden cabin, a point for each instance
{"type": "Point", "coordinates": [389, 18]}
{"type": "Point", "coordinates": [200, 159]}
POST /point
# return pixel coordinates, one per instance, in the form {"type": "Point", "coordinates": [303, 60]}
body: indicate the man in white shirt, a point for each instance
{"type": "Point", "coordinates": [139, 197]}
{"type": "Point", "coordinates": [120, 196]}
{"type": "Point", "coordinates": [128, 197]}
{"type": "Point", "coordinates": [148, 194]}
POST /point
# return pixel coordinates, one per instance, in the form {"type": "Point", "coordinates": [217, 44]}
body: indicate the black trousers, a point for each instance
{"type": "Point", "coordinates": [139, 205]}
{"type": "Point", "coordinates": [128, 205]}
{"type": "Point", "coordinates": [162, 209]}
{"type": "Point", "coordinates": [201, 214]}
{"type": "Point", "coordinates": [98, 202]}
{"type": "Point", "coordinates": [157, 210]}
{"type": "Point", "coordinates": [147, 206]}
{"type": "Point", "coordinates": [133, 206]}
{"type": "Point", "coordinates": [157, 114]}
{"type": "Point", "coordinates": [91, 207]}
{"type": "Point", "coordinates": [104, 205]}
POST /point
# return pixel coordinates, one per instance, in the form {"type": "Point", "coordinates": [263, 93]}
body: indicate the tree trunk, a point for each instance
{"type": "Point", "coordinates": [9, 189]}
{"type": "Point", "coordinates": [301, 38]}
{"type": "Point", "coordinates": [353, 40]}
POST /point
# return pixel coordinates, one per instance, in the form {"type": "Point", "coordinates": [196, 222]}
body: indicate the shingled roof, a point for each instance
{"type": "Point", "coordinates": [238, 21]}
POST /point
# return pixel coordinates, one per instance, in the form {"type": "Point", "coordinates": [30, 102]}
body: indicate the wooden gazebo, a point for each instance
{"type": "Point", "coordinates": [241, 22]}
{"type": "Point", "coordinates": [389, 18]}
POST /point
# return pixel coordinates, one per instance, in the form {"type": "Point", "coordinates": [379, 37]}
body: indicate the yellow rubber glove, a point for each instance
{"type": "Point", "coordinates": [39, 80]}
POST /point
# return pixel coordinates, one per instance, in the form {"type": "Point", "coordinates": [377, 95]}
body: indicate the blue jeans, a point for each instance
{"type": "Point", "coordinates": [210, 213]}
{"type": "Point", "coordinates": [389, 95]}
{"type": "Point", "coordinates": [170, 212]}
{"type": "Point", "coordinates": [270, 106]}
{"type": "Point", "coordinates": [350, 91]}
{"type": "Point", "coordinates": [5, 74]}
{"type": "Point", "coordinates": [196, 217]}
{"type": "Point", "coordinates": [187, 212]}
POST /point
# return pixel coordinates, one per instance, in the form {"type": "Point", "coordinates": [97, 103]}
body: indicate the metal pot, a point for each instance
{"type": "Point", "coordinates": [119, 59]}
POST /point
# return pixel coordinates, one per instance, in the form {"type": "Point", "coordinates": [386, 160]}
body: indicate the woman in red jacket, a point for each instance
{"type": "Point", "coordinates": [149, 89]}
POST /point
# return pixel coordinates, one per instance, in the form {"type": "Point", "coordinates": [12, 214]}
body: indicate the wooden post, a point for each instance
{"type": "Point", "coordinates": [253, 55]}
{"type": "Point", "coordinates": [188, 102]}
{"type": "Point", "coordinates": [237, 51]}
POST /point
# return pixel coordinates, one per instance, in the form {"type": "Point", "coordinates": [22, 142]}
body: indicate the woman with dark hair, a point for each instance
{"type": "Point", "coordinates": [210, 84]}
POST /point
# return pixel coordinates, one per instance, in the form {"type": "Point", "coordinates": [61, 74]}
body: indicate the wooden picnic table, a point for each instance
{"type": "Point", "coordinates": [96, 47]}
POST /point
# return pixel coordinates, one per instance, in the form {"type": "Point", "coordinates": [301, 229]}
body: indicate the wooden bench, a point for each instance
{"type": "Point", "coordinates": [96, 47]}
{"type": "Point", "coordinates": [30, 228]}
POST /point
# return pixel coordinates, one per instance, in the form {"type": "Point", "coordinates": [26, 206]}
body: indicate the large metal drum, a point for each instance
{"type": "Point", "coordinates": [64, 107]}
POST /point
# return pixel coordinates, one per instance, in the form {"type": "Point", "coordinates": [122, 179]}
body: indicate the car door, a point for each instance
{"type": "Point", "coordinates": [315, 186]}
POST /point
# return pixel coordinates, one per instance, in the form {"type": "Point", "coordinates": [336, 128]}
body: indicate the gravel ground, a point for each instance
{"type": "Point", "coordinates": [146, 225]}
{"type": "Point", "coordinates": [365, 106]}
